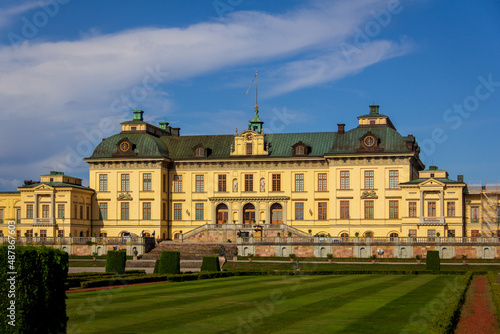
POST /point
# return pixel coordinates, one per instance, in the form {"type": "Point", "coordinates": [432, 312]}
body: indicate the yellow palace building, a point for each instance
{"type": "Point", "coordinates": [149, 179]}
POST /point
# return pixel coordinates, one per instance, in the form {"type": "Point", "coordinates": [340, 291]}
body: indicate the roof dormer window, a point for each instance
{"type": "Point", "coordinates": [199, 152]}
{"type": "Point", "coordinates": [300, 149]}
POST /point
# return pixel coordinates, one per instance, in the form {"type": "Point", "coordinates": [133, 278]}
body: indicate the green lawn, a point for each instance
{"type": "Point", "coordinates": [263, 304]}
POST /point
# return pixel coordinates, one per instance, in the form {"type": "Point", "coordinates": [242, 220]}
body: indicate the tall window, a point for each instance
{"type": "Point", "coordinates": [75, 211]}
{"type": "Point", "coordinates": [177, 183]}
{"type": "Point", "coordinates": [322, 213]}
{"type": "Point", "coordinates": [322, 182]}
{"type": "Point", "coordinates": [412, 209]}
{"type": "Point", "coordinates": [368, 209]}
{"type": "Point", "coordinates": [81, 211]}
{"type": "Point", "coordinates": [299, 210]}
{"type": "Point", "coordinates": [431, 234]}
{"type": "Point", "coordinates": [124, 211]}
{"type": "Point", "coordinates": [125, 182]}
{"type": "Point", "coordinates": [431, 209]}
{"type": "Point", "coordinates": [299, 182]}
{"type": "Point", "coordinates": [368, 179]}
{"type": "Point", "coordinates": [474, 213]}
{"type": "Point", "coordinates": [450, 209]}
{"type": "Point", "coordinates": [43, 233]}
{"type": "Point", "coordinates": [393, 209]}
{"type": "Point", "coordinates": [45, 211]}
{"type": "Point", "coordinates": [412, 233]}
{"type": "Point", "coordinates": [164, 183]}
{"type": "Point", "coordinates": [164, 211]}
{"type": "Point", "coordinates": [18, 215]}
{"type": "Point", "coordinates": [103, 182]}
{"type": "Point", "coordinates": [200, 183]}
{"type": "Point", "coordinates": [87, 212]}
{"type": "Point", "coordinates": [1, 216]}
{"type": "Point", "coordinates": [222, 182]}
{"type": "Point", "coordinates": [393, 179]}
{"type": "Point", "coordinates": [146, 210]}
{"type": "Point", "coordinates": [249, 148]}
{"type": "Point", "coordinates": [276, 182]}
{"type": "Point", "coordinates": [344, 210]}
{"type": "Point", "coordinates": [103, 211]}
{"type": "Point", "coordinates": [199, 211]}
{"type": "Point", "coordinates": [344, 179]}
{"type": "Point", "coordinates": [248, 182]}
{"type": "Point", "coordinates": [146, 182]}
{"type": "Point", "coordinates": [29, 211]}
{"type": "Point", "coordinates": [60, 233]}
{"type": "Point", "coordinates": [177, 211]}
{"type": "Point", "coordinates": [29, 233]}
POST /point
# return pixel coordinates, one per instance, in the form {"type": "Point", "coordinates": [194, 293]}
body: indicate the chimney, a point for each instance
{"type": "Point", "coordinates": [460, 178]}
{"type": "Point", "coordinates": [138, 115]}
{"type": "Point", "coordinates": [374, 109]}
{"type": "Point", "coordinates": [341, 128]}
{"type": "Point", "coordinates": [176, 132]}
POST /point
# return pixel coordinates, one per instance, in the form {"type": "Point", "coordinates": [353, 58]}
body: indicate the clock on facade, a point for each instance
{"type": "Point", "coordinates": [369, 141]}
{"type": "Point", "coordinates": [125, 146]}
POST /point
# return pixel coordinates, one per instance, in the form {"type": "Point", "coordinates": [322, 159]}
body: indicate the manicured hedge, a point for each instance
{"type": "Point", "coordinates": [38, 289]}
{"type": "Point", "coordinates": [116, 261]}
{"type": "Point", "coordinates": [210, 263]}
{"type": "Point", "coordinates": [495, 291]}
{"type": "Point", "coordinates": [433, 261]}
{"type": "Point", "coordinates": [446, 321]}
{"type": "Point", "coordinates": [169, 263]}
{"type": "Point", "coordinates": [157, 264]}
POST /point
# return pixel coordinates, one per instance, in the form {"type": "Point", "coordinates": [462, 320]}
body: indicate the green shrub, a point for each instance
{"type": "Point", "coordinates": [210, 263]}
{"type": "Point", "coordinates": [115, 262]}
{"type": "Point", "coordinates": [169, 263]}
{"type": "Point", "coordinates": [433, 262]}
{"type": "Point", "coordinates": [39, 289]}
{"type": "Point", "coordinates": [495, 291]}
{"type": "Point", "coordinates": [446, 321]}
{"type": "Point", "coordinates": [157, 263]}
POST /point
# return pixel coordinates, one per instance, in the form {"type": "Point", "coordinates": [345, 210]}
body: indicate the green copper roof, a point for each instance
{"type": "Point", "coordinates": [145, 145]}
{"type": "Point", "coordinates": [390, 140]}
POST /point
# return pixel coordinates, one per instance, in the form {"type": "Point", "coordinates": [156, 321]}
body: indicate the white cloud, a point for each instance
{"type": "Point", "coordinates": [54, 89]}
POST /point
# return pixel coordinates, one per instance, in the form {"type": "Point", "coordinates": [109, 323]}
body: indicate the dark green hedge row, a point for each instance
{"type": "Point", "coordinates": [169, 263]}
{"type": "Point", "coordinates": [495, 291]}
{"type": "Point", "coordinates": [447, 320]}
{"type": "Point", "coordinates": [125, 280]}
{"type": "Point", "coordinates": [433, 262]}
{"type": "Point", "coordinates": [38, 286]}
{"type": "Point", "coordinates": [210, 263]}
{"type": "Point", "coordinates": [115, 262]}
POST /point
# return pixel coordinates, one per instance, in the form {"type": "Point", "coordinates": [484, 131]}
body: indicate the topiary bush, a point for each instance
{"type": "Point", "coordinates": [169, 263]}
{"type": "Point", "coordinates": [433, 262]}
{"type": "Point", "coordinates": [33, 290]}
{"type": "Point", "coordinates": [210, 263]}
{"type": "Point", "coordinates": [155, 271]}
{"type": "Point", "coordinates": [116, 261]}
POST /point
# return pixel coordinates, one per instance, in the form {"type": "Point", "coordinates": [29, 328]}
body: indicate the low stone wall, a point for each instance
{"type": "Point", "coordinates": [99, 249]}
{"type": "Point", "coordinates": [479, 251]}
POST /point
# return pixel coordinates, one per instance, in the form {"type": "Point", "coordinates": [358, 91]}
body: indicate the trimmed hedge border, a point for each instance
{"type": "Point", "coordinates": [116, 261]}
{"type": "Point", "coordinates": [169, 263]}
{"type": "Point", "coordinates": [210, 263]}
{"type": "Point", "coordinates": [433, 262]}
{"type": "Point", "coordinates": [147, 278]}
{"type": "Point", "coordinates": [495, 292]}
{"type": "Point", "coordinates": [39, 289]}
{"type": "Point", "coordinates": [447, 320]}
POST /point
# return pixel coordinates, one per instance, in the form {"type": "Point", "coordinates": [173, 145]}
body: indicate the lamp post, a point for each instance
{"type": "Point", "coordinates": [349, 220]}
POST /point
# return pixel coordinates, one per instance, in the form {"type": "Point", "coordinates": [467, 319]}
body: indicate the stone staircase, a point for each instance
{"type": "Point", "coordinates": [191, 254]}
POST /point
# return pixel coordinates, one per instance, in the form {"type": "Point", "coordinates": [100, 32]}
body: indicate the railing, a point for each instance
{"type": "Point", "coordinates": [370, 241]}
{"type": "Point", "coordinates": [74, 241]}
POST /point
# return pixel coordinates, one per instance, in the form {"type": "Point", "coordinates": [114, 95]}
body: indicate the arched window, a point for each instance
{"type": "Point", "coordinates": [299, 150]}
{"type": "Point", "coordinates": [276, 214]}
{"type": "Point", "coordinates": [248, 214]}
{"type": "Point", "coordinates": [344, 236]}
{"type": "Point", "coordinates": [249, 149]}
{"type": "Point", "coordinates": [222, 214]}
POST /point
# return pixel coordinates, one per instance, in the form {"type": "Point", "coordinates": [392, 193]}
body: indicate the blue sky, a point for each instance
{"type": "Point", "coordinates": [71, 70]}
